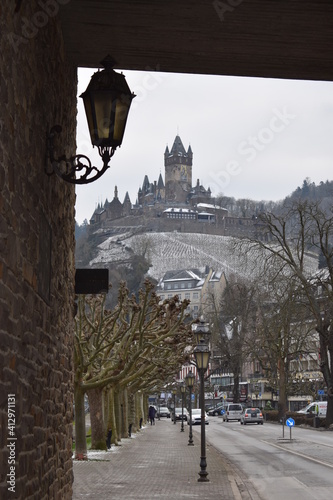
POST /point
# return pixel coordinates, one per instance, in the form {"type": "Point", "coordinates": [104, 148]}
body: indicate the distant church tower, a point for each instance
{"type": "Point", "coordinates": [178, 172]}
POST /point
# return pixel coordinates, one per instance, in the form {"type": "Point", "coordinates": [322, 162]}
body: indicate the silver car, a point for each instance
{"type": "Point", "coordinates": [252, 416]}
{"type": "Point", "coordinates": [233, 411]}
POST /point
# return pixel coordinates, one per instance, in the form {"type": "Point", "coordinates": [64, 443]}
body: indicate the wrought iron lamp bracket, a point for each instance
{"type": "Point", "coordinates": [67, 168]}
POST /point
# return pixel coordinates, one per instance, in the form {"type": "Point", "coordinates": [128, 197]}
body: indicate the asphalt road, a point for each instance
{"type": "Point", "coordinates": [279, 468]}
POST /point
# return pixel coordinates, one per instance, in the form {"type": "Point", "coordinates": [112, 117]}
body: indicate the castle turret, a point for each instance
{"type": "Point", "coordinates": [178, 172]}
{"type": "Point", "coordinates": [127, 205]}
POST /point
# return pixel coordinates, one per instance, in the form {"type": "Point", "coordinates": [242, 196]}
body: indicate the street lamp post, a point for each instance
{"type": "Point", "coordinates": [174, 405]}
{"type": "Point", "coordinates": [202, 353]}
{"type": "Point", "coordinates": [182, 390]}
{"type": "Point", "coordinates": [189, 380]}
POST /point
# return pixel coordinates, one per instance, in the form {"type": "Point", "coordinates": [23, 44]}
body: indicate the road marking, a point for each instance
{"type": "Point", "coordinates": [300, 454]}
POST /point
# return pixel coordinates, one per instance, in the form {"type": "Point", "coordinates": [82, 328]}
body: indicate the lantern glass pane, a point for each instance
{"type": "Point", "coordinates": [122, 109]}
{"type": "Point", "coordinates": [205, 360]}
{"type": "Point", "coordinates": [90, 119]}
{"type": "Point", "coordinates": [103, 111]}
{"type": "Point", "coordinates": [202, 358]}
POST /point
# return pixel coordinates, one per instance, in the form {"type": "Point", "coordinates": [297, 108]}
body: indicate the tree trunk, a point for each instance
{"type": "Point", "coordinates": [329, 414]}
{"type": "Point", "coordinates": [235, 391]}
{"type": "Point", "coordinates": [98, 428]}
{"type": "Point", "coordinates": [80, 424]}
{"type": "Point", "coordinates": [132, 414]}
{"type": "Point", "coordinates": [112, 417]}
{"type": "Point", "coordinates": [125, 413]}
{"type": "Point", "coordinates": [118, 412]}
{"type": "Point", "coordinates": [282, 403]}
{"type": "Point", "coordinates": [137, 409]}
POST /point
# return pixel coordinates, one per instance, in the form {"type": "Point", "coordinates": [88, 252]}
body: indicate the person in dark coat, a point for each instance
{"type": "Point", "coordinates": [151, 415]}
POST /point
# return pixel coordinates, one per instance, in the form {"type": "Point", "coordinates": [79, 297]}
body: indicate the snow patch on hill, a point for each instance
{"type": "Point", "coordinates": [172, 251]}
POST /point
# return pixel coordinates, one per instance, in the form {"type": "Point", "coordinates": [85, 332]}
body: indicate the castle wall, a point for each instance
{"type": "Point", "coordinates": [37, 90]}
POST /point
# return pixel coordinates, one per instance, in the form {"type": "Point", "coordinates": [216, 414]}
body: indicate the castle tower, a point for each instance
{"type": "Point", "coordinates": [178, 172]}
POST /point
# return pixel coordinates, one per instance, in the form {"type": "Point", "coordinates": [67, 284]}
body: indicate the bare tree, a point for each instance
{"type": "Point", "coordinates": [300, 231]}
{"type": "Point", "coordinates": [232, 321]}
{"type": "Point", "coordinates": [282, 333]}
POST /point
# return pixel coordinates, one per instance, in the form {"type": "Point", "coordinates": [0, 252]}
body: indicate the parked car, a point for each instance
{"type": "Point", "coordinates": [252, 416]}
{"type": "Point", "coordinates": [216, 410]}
{"type": "Point", "coordinates": [233, 411]}
{"type": "Point", "coordinates": [196, 417]}
{"type": "Point", "coordinates": [163, 411]}
{"type": "Point", "coordinates": [178, 412]}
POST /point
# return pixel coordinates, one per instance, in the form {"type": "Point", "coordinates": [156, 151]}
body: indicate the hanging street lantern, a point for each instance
{"type": "Point", "coordinates": [107, 101]}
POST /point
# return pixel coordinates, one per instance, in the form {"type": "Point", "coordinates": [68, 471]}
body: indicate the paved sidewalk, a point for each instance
{"type": "Point", "coordinates": [158, 463]}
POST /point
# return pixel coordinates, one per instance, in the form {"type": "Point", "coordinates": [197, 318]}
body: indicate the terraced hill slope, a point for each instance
{"type": "Point", "coordinates": [172, 251]}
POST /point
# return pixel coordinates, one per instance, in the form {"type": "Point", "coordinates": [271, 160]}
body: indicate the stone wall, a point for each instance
{"type": "Point", "coordinates": [37, 90]}
{"type": "Point", "coordinates": [151, 222]}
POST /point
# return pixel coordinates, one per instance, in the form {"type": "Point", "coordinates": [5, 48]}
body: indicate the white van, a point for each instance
{"type": "Point", "coordinates": [317, 408]}
{"type": "Point", "coordinates": [233, 411]}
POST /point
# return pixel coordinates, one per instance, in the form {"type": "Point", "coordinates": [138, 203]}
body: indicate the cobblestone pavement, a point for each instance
{"type": "Point", "coordinates": [158, 463]}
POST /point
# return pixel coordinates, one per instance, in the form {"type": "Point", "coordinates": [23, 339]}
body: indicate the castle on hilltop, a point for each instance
{"type": "Point", "coordinates": [175, 191]}
{"type": "Point", "coordinates": [172, 204]}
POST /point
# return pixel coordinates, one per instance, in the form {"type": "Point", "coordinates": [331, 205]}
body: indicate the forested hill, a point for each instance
{"type": "Point", "coordinates": [309, 190]}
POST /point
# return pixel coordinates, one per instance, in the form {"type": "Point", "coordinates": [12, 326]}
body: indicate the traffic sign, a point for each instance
{"type": "Point", "coordinates": [321, 392]}
{"type": "Point", "coordinates": [290, 422]}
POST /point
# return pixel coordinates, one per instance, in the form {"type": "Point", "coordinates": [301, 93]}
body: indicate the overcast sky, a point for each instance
{"type": "Point", "coordinates": [251, 138]}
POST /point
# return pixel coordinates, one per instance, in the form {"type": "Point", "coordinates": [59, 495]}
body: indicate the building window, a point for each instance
{"type": "Point", "coordinates": [195, 295]}
{"type": "Point", "coordinates": [187, 295]}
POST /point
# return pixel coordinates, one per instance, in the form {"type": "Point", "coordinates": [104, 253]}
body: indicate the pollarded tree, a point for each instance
{"type": "Point", "coordinates": [116, 347]}
{"type": "Point", "coordinates": [302, 229]}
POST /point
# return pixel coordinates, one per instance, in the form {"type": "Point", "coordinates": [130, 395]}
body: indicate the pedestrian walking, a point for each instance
{"type": "Point", "coordinates": [151, 415]}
